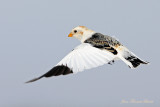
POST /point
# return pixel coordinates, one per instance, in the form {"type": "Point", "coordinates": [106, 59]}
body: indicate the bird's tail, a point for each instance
{"type": "Point", "coordinates": [129, 58]}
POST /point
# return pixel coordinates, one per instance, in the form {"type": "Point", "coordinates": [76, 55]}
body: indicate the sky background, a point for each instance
{"type": "Point", "coordinates": [33, 38]}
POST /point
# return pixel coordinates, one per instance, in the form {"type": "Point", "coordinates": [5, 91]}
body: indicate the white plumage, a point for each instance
{"type": "Point", "coordinates": [86, 56]}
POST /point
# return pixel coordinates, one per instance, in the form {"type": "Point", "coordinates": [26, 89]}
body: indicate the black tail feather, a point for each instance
{"type": "Point", "coordinates": [135, 61]}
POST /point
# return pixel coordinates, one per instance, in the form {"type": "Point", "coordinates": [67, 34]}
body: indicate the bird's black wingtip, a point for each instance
{"type": "Point", "coordinates": [33, 80]}
{"type": "Point", "coordinates": [55, 71]}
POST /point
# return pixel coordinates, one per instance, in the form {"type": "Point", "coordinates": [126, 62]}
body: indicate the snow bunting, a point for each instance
{"type": "Point", "coordinates": [95, 50]}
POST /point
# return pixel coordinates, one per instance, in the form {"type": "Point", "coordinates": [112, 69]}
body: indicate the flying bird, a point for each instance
{"type": "Point", "coordinates": [95, 50]}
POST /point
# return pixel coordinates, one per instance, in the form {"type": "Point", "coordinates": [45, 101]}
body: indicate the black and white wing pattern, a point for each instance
{"type": "Point", "coordinates": [84, 56]}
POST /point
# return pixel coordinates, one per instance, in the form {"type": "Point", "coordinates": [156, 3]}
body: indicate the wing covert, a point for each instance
{"type": "Point", "coordinates": [85, 56]}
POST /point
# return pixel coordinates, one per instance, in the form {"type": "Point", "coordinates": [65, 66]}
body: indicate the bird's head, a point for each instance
{"type": "Point", "coordinates": [81, 32]}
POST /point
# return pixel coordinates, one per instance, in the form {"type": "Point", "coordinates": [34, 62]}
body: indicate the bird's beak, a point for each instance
{"type": "Point", "coordinates": [70, 35]}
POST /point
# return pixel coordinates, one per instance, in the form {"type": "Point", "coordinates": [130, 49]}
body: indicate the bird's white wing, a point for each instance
{"type": "Point", "coordinates": [86, 56]}
{"type": "Point", "coordinates": [82, 57]}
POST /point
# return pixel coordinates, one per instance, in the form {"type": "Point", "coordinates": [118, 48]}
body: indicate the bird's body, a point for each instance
{"type": "Point", "coordinates": [95, 50]}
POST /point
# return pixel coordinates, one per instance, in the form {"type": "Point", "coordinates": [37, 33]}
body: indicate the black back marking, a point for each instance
{"type": "Point", "coordinates": [98, 41]}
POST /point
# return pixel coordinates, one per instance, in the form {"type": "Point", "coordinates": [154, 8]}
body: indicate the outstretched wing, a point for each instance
{"type": "Point", "coordinates": [85, 56]}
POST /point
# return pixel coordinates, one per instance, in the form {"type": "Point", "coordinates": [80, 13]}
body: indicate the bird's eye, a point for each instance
{"type": "Point", "coordinates": [75, 31]}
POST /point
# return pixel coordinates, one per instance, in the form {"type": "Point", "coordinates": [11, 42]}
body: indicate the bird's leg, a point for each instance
{"type": "Point", "coordinates": [111, 62]}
